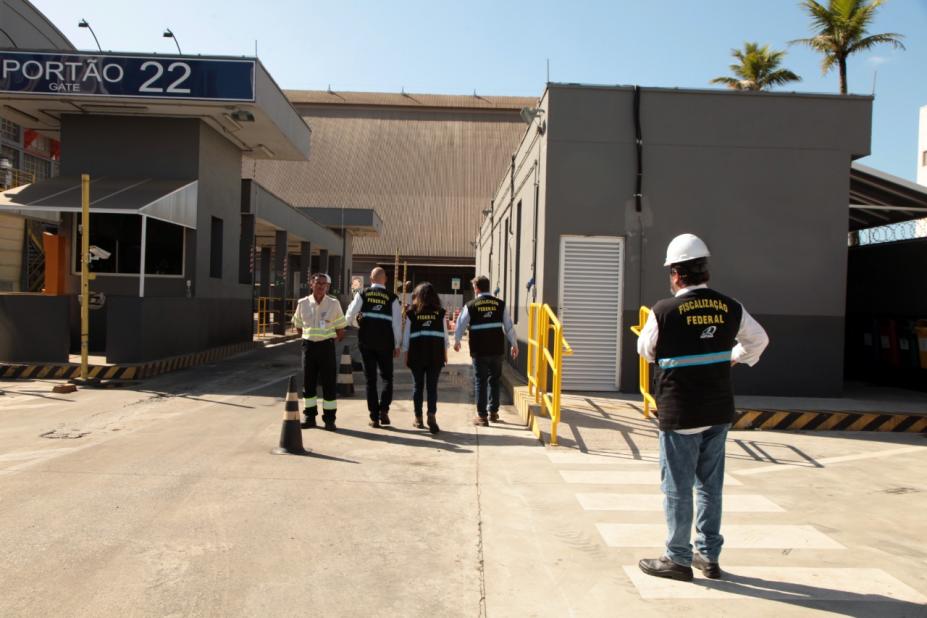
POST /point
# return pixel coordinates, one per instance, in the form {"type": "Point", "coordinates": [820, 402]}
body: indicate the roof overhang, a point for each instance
{"type": "Point", "coordinates": [356, 221]}
{"type": "Point", "coordinates": [273, 214]}
{"type": "Point", "coordinates": [878, 198]}
{"type": "Point", "coordinates": [235, 96]}
{"type": "Point", "coordinates": [173, 201]}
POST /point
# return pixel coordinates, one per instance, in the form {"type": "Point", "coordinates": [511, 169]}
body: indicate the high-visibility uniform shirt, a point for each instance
{"type": "Point", "coordinates": [319, 321]}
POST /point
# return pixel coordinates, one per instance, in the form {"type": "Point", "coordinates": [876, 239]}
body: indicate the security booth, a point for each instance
{"type": "Point", "coordinates": [162, 139]}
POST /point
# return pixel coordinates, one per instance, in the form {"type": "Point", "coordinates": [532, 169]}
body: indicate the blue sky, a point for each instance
{"type": "Point", "coordinates": [501, 47]}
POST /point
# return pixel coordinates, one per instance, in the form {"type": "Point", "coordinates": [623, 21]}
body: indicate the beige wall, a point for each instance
{"type": "Point", "coordinates": [11, 252]}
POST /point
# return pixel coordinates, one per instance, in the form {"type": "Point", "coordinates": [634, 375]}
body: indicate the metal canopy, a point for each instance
{"type": "Point", "coordinates": [173, 201]}
{"type": "Point", "coordinates": [877, 198]}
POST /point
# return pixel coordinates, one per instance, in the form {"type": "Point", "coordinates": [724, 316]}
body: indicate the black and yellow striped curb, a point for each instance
{"type": "Point", "coordinates": [133, 371]}
{"type": "Point", "coordinates": [802, 420]}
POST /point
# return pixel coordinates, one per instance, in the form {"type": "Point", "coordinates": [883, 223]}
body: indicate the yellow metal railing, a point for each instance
{"type": "Point", "coordinates": [266, 309]}
{"type": "Point", "coordinates": [16, 178]}
{"type": "Point", "coordinates": [545, 359]}
{"type": "Point", "coordinates": [644, 365]}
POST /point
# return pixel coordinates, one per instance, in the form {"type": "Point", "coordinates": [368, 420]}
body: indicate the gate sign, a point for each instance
{"type": "Point", "coordinates": [112, 75]}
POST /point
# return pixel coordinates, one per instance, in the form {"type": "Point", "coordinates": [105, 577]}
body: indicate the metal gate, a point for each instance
{"type": "Point", "coordinates": [591, 278]}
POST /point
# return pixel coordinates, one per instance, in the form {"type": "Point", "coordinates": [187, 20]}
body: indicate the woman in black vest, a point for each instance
{"type": "Point", "coordinates": [425, 343]}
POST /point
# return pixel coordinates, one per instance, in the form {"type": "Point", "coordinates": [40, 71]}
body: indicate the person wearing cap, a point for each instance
{"type": "Point", "coordinates": [490, 329]}
{"type": "Point", "coordinates": [320, 322]}
{"type": "Point", "coordinates": [694, 338]}
{"type": "Point", "coordinates": [377, 314]}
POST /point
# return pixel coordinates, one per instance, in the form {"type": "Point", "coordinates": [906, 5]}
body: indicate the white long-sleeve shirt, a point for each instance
{"type": "Point", "coordinates": [463, 321]}
{"type": "Point", "coordinates": [354, 310]}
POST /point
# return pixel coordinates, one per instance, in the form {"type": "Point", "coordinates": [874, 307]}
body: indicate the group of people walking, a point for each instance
{"type": "Point", "coordinates": [419, 336]}
{"type": "Point", "coordinates": [694, 338]}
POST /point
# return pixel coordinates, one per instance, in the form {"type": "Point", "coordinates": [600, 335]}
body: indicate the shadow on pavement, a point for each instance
{"type": "Point", "coordinates": [389, 435]}
{"type": "Point", "coordinates": [811, 596]}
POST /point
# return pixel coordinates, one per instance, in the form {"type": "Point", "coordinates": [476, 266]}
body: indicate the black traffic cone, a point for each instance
{"type": "Point", "coordinates": [291, 436]}
{"type": "Point", "coordinates": [345, 374]}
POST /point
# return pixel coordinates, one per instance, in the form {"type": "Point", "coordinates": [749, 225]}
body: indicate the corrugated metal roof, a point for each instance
{"type": "Point", "coordinates": [427, 173]}
{"type": "Point", "coordinates": [407, 99]}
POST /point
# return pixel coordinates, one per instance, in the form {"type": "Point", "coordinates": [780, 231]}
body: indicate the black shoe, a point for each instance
{"type": "Point", "coordinates": [481, 421]}
{"type": "Point", "coordinates": [433, 424]}
{"type": "Point", "coordinates": [711, 570]}
{"type": "Point", "coordinates": [329, 419]}
{"type": "Point", "coordinates": [308, 422]}
{"type": "Point", "coordinates": [494, 417]}
{"type": "Point", "coordinates": [664, 567]}
{"type": "Point", "coordinates": [417, 423]}
{"type": "Point", "coordinates": [374, 422]}
{"type": "Point", "coordinates": [384, 417]}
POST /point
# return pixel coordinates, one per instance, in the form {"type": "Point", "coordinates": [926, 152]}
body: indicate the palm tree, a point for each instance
{"type": "Point", "coordinates": [841, 30]}
{"type": "Point", "coordinates": [757, 68]}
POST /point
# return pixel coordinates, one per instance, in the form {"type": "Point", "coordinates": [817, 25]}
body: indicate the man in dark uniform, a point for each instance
{"type": "Point", "coordinates": [376, 312]}
{"type": "Point", "coordinates": [694, 337]}
{"type": "Point", "coordinates": [490, 326]}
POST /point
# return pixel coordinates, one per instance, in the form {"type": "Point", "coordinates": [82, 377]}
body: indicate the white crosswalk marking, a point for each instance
{"type": "Point", "coordinates": [573, 457]}
{"type": "Point", "coordinates": [622, 477]}
{"type": "Point", "coordinates": [771, 536]}
{"type": "Point", "coordinates": [782, 583]}
{"type": "Point", "coordinates": [734, 503]}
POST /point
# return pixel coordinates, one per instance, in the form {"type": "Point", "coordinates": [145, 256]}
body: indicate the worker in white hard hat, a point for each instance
{"type": "Point", "coordinates": [695, 338]}
{"type": "Point", "coordinates": [320, 322]}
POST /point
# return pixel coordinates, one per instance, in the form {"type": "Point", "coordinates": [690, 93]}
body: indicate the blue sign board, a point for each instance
{"type": "Point", "coordinates": [112, 75]}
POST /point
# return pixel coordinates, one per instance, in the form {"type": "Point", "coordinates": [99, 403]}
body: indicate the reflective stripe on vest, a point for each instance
{"type": "Point", "coordinates": [379, 316]}
{"type": "Point", "coordinates": [486, 325]}
{"type": "Point", "coordinates": [426, 333]}
{"type": "Point", "coordinates": [694, 359]}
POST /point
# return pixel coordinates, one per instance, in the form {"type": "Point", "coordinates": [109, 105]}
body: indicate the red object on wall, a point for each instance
{"type": "Point", "coordinates": [55, 149]}
{"type": "Point", "coordinates": [29, 136]}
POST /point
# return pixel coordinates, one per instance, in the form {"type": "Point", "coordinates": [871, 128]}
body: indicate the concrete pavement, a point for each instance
{"type": "Point", "coordinates": [164, 500]}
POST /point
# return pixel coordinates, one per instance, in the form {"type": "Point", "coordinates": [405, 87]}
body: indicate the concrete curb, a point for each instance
{"type": "Point", "coordinates": [130, 371]}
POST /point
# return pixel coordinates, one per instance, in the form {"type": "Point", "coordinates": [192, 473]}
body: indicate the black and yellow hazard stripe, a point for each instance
{"type": "Point", "coordinates": [800, 420]}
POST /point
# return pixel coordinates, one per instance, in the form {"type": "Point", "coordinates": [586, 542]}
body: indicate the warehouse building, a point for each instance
{"type": "Point", "coordinates": [426, 164]}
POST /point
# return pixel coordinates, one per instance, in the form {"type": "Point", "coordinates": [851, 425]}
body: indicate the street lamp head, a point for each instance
{"type": "Point", "coordinates": [83, 24]}
{"type": "Point", "coordinates": [168, 34]}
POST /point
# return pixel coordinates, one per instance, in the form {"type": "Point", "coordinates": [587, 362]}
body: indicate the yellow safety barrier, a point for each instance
{"type": "Point", "coordinates": [263, 315]}
{"type": "Point", "coordinates": [644, 365]}
{"type": "Point", "coordinates": [541, 321]}
{"type": "Point", "coordinates": [266, 310]}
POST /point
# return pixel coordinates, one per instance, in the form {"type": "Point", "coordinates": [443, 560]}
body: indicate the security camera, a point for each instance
{"type": "Point", "coordinates": [96, 253]}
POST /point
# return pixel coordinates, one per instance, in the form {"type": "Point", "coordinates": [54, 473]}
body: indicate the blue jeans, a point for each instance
{"type": "Point", "coordinates": [487, 373]}
{"type": "Point", "coordinates": [686, 461]}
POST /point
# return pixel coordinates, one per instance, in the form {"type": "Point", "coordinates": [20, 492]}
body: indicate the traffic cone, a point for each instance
{"type": "Point", "coordinates": [291, 436]}
{"type": "Point", "coordinates": [345, 374]}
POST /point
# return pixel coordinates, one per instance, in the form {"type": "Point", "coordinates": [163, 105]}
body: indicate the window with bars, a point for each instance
{"type": "Point", "coordinates": [39, 169]}
{"type": "Point", "coordinates": [9, 130]}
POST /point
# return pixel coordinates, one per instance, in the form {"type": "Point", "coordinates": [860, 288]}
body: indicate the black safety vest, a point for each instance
{"type": "Point", "coordinates": [426, 338]}
{"type": "Point", "coordinates": [697, 332]}
{"type": "Point", "coordinates": [376, 325]}
{"type": "Point", "coordinates": [487, 334]}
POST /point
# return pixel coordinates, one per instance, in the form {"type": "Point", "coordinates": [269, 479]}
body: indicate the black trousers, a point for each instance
{"type": "Point", "coordinates": [381, 360]}
{"type": "Point", "coordinates": [319, 366]}
{"type": "Point", "coordinates": [425, 378]}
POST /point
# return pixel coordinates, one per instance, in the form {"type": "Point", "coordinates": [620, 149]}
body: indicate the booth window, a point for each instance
{"type": "Point", "coordinates": [215, 248]}
{"type": "Point", "coordinates": [120, 236]}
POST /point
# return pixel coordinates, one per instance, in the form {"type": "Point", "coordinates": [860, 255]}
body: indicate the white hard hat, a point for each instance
{"type": "Point", "coordinates": [685, 247]}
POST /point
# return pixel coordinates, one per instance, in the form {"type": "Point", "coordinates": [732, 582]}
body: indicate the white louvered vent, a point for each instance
{"type": "Point", "coordinates": [591, 273]}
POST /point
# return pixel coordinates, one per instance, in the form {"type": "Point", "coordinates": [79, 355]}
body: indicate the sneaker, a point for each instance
{"type": "Point", "coordinates": [417, 423]}
{"type": "Point", "coordinates": [711, 570]}
{"type": "Point", "coordinates": [374, 422]}
{"type": "Point", "coordinates": [494, 417]}
{"type": "Point", "coordinates": [664, 567]}
{"type": "Point", "coordinates": [308, 422]}
{"type": "Point", "coordinates": [384, 417]}
{"type": "Point", "coordinates": [481, 421]}
{"type": "Point", "coordinates": [433, 424]}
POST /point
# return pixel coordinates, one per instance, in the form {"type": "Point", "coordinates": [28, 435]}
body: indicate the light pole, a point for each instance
{"type": "Point", "coordinates": [170, 35]}
{"type": "Point", "coordinates": [84, 24]}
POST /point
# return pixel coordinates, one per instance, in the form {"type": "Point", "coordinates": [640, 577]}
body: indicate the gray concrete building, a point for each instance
{"type": "Point", "coordinates": [605, 177]}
